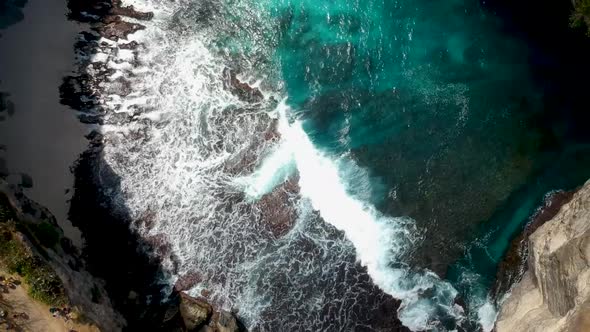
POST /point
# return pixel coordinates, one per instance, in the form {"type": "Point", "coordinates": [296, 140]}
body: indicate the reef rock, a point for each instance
{"type": "Point", "coordinates": [554, 294]}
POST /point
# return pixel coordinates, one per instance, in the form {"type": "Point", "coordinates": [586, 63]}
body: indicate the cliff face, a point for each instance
{"type": "Point", "coordinates": [554, 295]}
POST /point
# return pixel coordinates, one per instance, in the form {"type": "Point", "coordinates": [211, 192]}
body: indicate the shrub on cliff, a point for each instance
{"type": "Point", "coordinates": [581, 15]}
{"type": "Point", "coordinates": [6, 210]}
{"type": "Point", "coordinates": [46, 234]}
{"type": "Point", "coordinates": [43, 284]}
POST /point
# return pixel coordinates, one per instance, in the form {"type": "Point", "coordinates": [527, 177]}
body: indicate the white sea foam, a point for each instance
{"type": "Point", "coordinates": [191, 152]}
{"type": "Point", "coordinates": [379, 240]}
{"type": "Point", "coordinates": [487, 315]}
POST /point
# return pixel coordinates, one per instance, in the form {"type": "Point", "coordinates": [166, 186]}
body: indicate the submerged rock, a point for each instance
{"type": "Point", "coordinates": [243, 90]}
{"type": "Point", "coordinates": [554, 293]}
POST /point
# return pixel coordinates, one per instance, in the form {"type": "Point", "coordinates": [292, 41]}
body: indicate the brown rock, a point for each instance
{"type": "Point", "coordinates": [130, 11]}
{"type": "Point", "coordinates": [187, 281]}
{"type": "Point", "coordinates": [277, 215]}
{"type": "Point", "coordinates": [115, 28]}
{"type": "Point", "coordinates": [194, 312]}
{"type": "Point", "coordinates": [226, 322]}
{"type": "Point", "coordinates": [244, 91]}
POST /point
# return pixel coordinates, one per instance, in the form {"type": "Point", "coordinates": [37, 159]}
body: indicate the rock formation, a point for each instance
{"type": "Point", "coordinates": [198, 315]}
{"type": "Point", "coordinates": [554, 294]}
{"type": "Point", "coordinates": [194, 312]}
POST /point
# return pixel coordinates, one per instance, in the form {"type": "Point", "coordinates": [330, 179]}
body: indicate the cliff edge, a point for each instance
{"type": "Point", "coordinates": [554, 294]}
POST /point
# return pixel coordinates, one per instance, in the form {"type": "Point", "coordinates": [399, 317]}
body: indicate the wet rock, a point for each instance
{"type": "Point", "coordinates": [26, 181]}
{"type": "Point", "coordinates": [129, 46]}
{"type": "Point", "coordinates": [277, 214]}
{"type": "Point", "coordinates": [116, 28]}
{"type": "Point", "coordinates": [194, 312]}
{"type": "Point", "coordinates": [130, 11]}
{"type": "Point", "coordinates": [120, 86]}
{"type": "Point", "coordinates": [513, 265]}
{"type": "Point", "coordinates": [226, 322]}
{"type": "Point", "coordinates": [187, 281]}
{"type": "Point", "coordinates": [244, 91]}
{"type": "Point", "coordinates": [92, 11]}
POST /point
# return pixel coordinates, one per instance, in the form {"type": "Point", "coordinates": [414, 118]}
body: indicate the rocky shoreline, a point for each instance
{"type": "Point", "coordinates": [131, 266]}
{"type": "Point", "coordinates": [81, 290]}
{"type": "Point", "coordinates": [553, 293]}
{"type": "Point", "coordinates": [513, 266]}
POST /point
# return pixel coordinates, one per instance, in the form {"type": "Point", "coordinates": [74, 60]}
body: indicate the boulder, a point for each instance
{"type": "Point", "coordinates": [226, 322]}
{"type": "Point", "coordinates": [194, 312]}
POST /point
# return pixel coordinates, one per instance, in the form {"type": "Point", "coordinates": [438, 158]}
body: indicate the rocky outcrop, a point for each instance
{"type": "Point", "coordinates": [194, 312]}
{"type": "Point", "coordinates": [554, 294]}
{"type": "Point", "coordinates": [58, 263]}
{"type": "Point", "coordinates": [513, 266]}
{"type": "Point", "coordinates": [242, 90]}
{"type": "Point", "coordinates": [198, 315]}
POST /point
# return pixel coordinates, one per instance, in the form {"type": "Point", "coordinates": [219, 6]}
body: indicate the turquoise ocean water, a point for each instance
{"type": "Point", "coordinates": [420, 133]}
{"type": "Point", "coordinates": [438, 104]}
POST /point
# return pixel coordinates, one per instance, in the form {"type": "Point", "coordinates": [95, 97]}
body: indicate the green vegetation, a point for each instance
{"type": "Point", "coordinates": [44, 284]}
{"type": "Point", "coordinates": [6, 211]}
{"type": "Point", "coordinates": [95, 294]}
{"type": "Point", "coordinates": [581, 15]}
{"type": "Point", "coordinates": [45, 233]}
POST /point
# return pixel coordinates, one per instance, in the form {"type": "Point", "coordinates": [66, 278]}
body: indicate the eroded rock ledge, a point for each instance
{"type": "Point", "coordinates": [554, 294]}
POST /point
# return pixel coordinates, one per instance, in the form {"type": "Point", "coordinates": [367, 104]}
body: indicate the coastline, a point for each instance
{"type": "Point", "coordinates": [92, 209]}
{"type": "Point", "coordinates": [36, 252]}
{"type": "Point", "coordinates": [553, 294]}
{"type": "Point", "coordinates": [132, 266]}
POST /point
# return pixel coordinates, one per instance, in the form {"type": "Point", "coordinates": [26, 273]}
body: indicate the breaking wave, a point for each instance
{"type": "Point", "coordinates": [258, 219]}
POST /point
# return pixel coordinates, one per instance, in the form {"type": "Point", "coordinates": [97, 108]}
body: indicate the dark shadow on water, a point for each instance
{"type": "Point", "coordinates": [11, 12]}
{"type": "Point", "coordinates": [113, 252]}
{"type": "Point", "coordinates": [560, 58]}
{"type": "Point", "coordinates": [131, 267]}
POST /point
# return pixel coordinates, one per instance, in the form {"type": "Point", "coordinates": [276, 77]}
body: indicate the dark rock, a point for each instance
{"type": "Point", "coordinates": [117, 29]}
{"type": "Point", "coordinates": [277, 216]}
{"type": "Point", "coordinates": [244, 91]}
{"type": "Point", "coordinates": [171, 313]}
{"type": "Point", "coordinates": [187, 281]}
{"type": "Point", "coordinates": [26, 181]}
{"type": "Point", "coordinates": [129, 11]}
{"type": "Point", "coordinates": [194, 312]}
{"type": "Point", "coordinates": [93, 11]}
{"type": "Point", "coordinates": [129, 46]}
